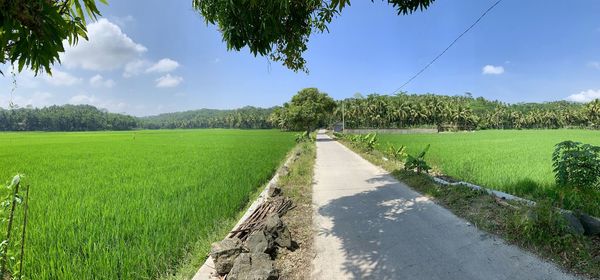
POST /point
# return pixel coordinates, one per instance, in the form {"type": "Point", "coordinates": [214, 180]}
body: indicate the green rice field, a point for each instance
{"type": "Point", "coordinates": [130, 205]}
{"type": "Point", "coordinates": [515, 161]}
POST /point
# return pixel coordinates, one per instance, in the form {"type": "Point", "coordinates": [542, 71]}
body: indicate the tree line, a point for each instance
{"type": "Point", "coordinates": [63, 118]}
{"type": "Point", "coordinates": [462, 113]}
{"type": "Point", "coordinates": [245, 118]}
{"type": "Point", "coordinates": [311, 108]}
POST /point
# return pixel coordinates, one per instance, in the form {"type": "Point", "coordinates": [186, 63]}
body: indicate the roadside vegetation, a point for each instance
{"type": "Point", "coordinates": [132, 205]}
{"type": "Point", "coordinates": [515, 161]}
{"type": "Point", "coordinates": [297, 185]}
{"type": "Point", "coordinates": [541, 229]}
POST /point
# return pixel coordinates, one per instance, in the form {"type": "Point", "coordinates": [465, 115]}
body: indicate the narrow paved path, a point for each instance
{"type": "Point", "coordinates": [370, 226]}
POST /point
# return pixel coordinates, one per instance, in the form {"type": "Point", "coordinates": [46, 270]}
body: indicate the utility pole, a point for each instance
{"type": "Point", "coordinates": [343, 119]}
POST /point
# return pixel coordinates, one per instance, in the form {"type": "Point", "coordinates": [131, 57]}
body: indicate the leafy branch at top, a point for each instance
{"type": "Point", "coordinates": [32, 32]}
{"type": "Point", "coordinates": [280, 29]}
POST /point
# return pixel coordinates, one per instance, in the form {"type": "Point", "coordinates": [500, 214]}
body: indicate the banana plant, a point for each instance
{"type": "Point", "coordinates": [418, 162]}
{"type": "Point", "coordinates": [397, 154]}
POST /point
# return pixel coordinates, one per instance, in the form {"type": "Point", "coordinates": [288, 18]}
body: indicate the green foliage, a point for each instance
{"type": "Point", "coordinates": [366, 142]}
{"type": "Point", "coordinates": [246, 117]}
{"type": "Point", "coordinates": [544, 225]}
{"type": "Point", "coordinates": [304, 137]}
{"type": "Point", "coordinates": [32, 32]}
{"type": "Point", "coordinates": [462, 113]}
{"type": "Point", "coordinates": [418, 162]}
{"type": "Point", "coordinates": [13, 228]}
{"type": "Point", "coordinates": [64, 118]}
{"type": "Point", "coordinates": [576, 165]}
{"type": "Point", "coordinates": [592, 113]}
{"type": "Point", "coordinates": [279, 29]}
{"type": "Point", "coordinates": [516, 161]}
{"type": "Point", "coordinates": [116, 207]}
{"type": "Point", "coordinates": [369, 141]}
{"type": "Point", "coordinates": [307, 110]}
{"type": "Point", "coordinates": [398, 154]}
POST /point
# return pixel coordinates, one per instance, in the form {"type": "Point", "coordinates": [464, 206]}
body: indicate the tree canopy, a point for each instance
{"type": "Point", "coordinates": [32, 32]}
{"type": "Point", "coordinates": [280, 29]}
{"type": "Point", "coordinates": [307, 110]}
{"type": "Point", "coordinates": [64, 118]}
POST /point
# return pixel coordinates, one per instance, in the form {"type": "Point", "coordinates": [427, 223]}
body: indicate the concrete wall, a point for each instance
{"type": "Point", "coordinates": [392, 131]}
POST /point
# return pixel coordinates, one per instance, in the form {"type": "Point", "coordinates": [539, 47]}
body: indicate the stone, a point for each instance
{"type": "Point", "coordinates": [275, 227]}
{"type": "Point", "coordinates": [573, 222]}
{"type": "Point", "coordinates": [263, 267]}
{"type": "Point", "coordinates": [274, 191]}
{"type": "Point", "coordinates": [284, 238]}
{"type": "Point", "coordinates": [224, 254]}
{"type": "Point", "coordinates": [253, 266]}
{"type": "Point", "coordinates": [590, 224]}
{"type": "Point", "coordinates": [284, 171]}
{"type": "Point", "coordinates": [260, 242]}
{"type": "Point", "coordinates": [241, 267]}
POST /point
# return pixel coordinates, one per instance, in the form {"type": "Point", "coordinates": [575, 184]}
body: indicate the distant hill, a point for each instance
{"type": "Point", "coordinates": [246, 117]}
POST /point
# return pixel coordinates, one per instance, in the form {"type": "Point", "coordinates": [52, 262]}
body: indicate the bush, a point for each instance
{"type": "Point", "coordinates": [304, 137]}
{"type": "Point", "coordinates": [367, 142]}
{"type": "Point", "coordinates": [418, 162]}
{"type": "Point", "coordinates": [577, 165]}
{"type": "Point", "coordinates": [398, 154]}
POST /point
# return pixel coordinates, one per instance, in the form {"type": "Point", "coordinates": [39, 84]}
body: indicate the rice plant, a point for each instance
{"type": "Point", "coordinates": [111, 205]}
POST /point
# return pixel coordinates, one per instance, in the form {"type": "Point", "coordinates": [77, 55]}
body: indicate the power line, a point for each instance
{"type": "Point", "coordinates": [449, 46]}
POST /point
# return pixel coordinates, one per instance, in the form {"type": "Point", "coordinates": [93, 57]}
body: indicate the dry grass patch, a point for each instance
{"type": "Point", "coordinates": [297, 185]}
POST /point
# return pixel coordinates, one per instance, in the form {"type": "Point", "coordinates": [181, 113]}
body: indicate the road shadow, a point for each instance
{"type": "Point", "coordinates": [325, 140]}
{"type": "Point", "coordinates": [369, 225]}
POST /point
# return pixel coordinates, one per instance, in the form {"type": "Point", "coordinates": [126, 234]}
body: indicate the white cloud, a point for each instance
{"type": "Point", "coordinates": [99, 81]}
{"type": "Point", "coordinates": [584, 96]}
{"type": "Point", "coordinates": [492, 70]}
{"type": "Point", "coordinates": [168, 81]}
{"type": "Point", "coordinates": [108, 48]}
{"type": "Point", "coordinates": [60, 78]}
{"type": "Point", "coordinates": [594, 64]}
{"type": "Point", "coordinates": [164, 65]}
{"type": "Point", "coordinates": [37, 99]}
{"type": "Point", "coordinates": [111, 105]}
{"type": "Point", "coordinates": [135, 68]}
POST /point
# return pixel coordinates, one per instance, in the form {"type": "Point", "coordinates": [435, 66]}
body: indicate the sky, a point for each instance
{"type": "Point", "coordinates": [149, 57]}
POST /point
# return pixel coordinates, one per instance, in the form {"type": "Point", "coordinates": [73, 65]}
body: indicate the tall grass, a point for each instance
{"type": "Point", "coordinates": [129, 205]}
{"type": "Point", "coordinates": [516, 161]}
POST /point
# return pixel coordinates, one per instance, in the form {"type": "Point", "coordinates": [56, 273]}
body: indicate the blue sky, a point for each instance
{"type": "Point", "coordinates": [148, 57]}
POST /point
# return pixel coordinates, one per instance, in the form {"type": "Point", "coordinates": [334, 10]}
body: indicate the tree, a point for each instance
{"type": "Point", "coordinates": [32, 32]}
{"type": "Point", "coordinates": [307, 110]}
{"type": "Point", "coordinates": [280, 29]}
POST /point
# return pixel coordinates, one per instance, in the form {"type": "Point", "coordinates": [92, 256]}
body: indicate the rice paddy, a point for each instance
{"type": "Point", "coordinates": [515, 161]}
{"type": "Point", "coordinates": [130, 205]}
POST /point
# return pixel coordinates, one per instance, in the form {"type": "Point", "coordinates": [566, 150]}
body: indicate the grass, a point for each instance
{"type": "Point", "coordinates": [133, 205]}
{"type": "Point", "coordinates": [546, 236]}
{"type": "Point", "coordinates": [515, 161]}
{"type": "Point", "coordinates": [297, 185]}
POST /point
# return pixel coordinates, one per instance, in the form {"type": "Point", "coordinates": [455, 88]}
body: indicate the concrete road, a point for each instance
{"type": "Point", "coordinates": [370, 226]}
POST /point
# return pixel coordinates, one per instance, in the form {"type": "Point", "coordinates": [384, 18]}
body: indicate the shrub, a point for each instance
{"type": "Point", "coordinates": [369, 141]}
{"type": "Point", "coordinates": [399, 154]}
{"type": "Point", "coordinates": [577, 165]}
{"type": "Point", "coordinates": [418, 162]}
{"type": "Point", "coordinates": [304, 137]}
{"type": "Point", "coordinates": [12, 245]}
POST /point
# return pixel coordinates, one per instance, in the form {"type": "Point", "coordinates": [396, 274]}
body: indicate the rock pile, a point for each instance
{"type": "Point", "coordinates": [252, 259]}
